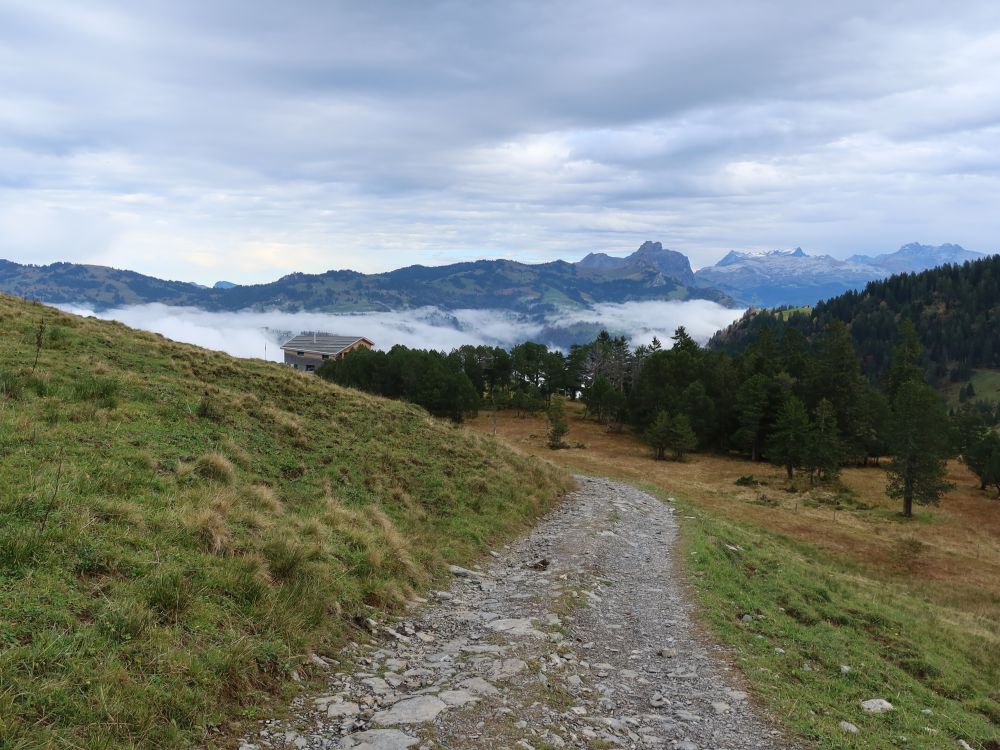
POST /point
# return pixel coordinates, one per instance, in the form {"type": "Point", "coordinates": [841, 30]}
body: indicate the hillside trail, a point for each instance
{"type": "Point", "coordinates": [578, 635]}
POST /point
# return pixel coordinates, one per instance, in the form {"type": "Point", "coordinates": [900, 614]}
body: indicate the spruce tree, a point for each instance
{"type": "Point", "coordinates": [823, 448]}
{"type": "Point", "coordinates": [658, 434]}
{"type": "Point", "coordinates": [920, 441]}
{"type": "Point", "coordinates": [752, 401]}
{"type": "Point", "coordinates": [789, 439]}
{"type": "Point", "coordinates": [682, 437]}
{"type": "Point", "coordinates": [557, 422]}
{"type": "Point", "coordinates": [905, 360]}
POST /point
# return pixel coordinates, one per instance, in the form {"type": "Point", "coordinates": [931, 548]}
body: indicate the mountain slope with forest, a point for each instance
{"type": "Point", "coordinates": [181, 531]}
{"type": "Point", "coordinates": [955, 310]}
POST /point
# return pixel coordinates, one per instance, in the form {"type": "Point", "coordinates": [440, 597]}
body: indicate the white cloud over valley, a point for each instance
{"type": "Point", "coordinates": [250, 334]}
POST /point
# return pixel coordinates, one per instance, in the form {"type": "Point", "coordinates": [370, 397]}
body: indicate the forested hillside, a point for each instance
{"type": "Point", "coordinates": [955, 310]}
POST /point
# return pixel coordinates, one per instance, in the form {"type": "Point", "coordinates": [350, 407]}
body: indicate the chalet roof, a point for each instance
{"type": "Point", "coordinates": [321, 343]}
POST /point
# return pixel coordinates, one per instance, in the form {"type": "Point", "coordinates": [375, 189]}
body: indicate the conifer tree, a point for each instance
{"type": "Point", "coordinates": [557, 422]}
{"type": "Point", "coordinates": [682, 437]}
{"type": "Point", "coordinates": [658, 435]}
{"type": "Point", "coordinates": [752, 401]}
{"type": "Point", "coordinates": [920, 442]}
{"type": "Point", "coordinates": [905, 360]}
{"type": "Point", "coordinates": [823, 448]}
{"type": "Point", "coordinates": [789, 440]}
{"type": "Point", "coordinates": [671, 433]}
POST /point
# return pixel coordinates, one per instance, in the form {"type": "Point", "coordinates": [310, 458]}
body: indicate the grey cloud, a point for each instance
{"type": "Point", "coordinates": [179, 138]}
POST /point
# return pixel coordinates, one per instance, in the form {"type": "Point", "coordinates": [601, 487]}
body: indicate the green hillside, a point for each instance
{"type": "Point", "coordinates": [179, 529]}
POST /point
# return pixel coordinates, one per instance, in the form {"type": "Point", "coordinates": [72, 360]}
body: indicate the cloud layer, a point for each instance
{"type": "Point", "coordinates": [246, 139]}
{"type": "Point", "coordinates": [250, 334]}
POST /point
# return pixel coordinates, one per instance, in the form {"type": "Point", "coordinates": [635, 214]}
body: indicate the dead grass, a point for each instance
{"type": "Point", "coordinates": [949, 553]}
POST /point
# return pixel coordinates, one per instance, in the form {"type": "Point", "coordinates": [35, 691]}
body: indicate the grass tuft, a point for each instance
{"type": "Point", "coordinates": [215, 467]}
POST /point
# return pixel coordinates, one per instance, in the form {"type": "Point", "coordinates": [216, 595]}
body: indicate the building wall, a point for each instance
{"type": "Point", "coordinates": [310, 360]}
{"type": "Point", "coordinates": [304, 362]}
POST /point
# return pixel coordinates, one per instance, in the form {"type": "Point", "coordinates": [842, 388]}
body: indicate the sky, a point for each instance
{"type": "Point", "coordinates": [244, 140]}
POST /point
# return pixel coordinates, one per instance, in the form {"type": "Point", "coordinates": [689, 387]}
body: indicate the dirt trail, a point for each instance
{"type": "Point", "coordinates": [578, 635]}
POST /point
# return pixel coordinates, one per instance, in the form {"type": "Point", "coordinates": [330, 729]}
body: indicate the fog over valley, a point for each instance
{"type": "Point", "coordinates": [249, 334]}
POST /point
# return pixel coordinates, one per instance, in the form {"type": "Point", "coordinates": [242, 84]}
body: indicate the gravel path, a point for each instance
{"type": "Point", "coordinates": [578, 635]}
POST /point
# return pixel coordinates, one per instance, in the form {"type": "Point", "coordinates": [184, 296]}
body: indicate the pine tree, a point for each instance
{"type": "Point", "coordinates": [682, 437]}
{"type": "Point", "coordinates": [752, 402]}
{"type": "Point", "coordinates": [671, 433]}
{"type": "Point", "coordinates": [920, 442]}
{"type": "Point", "coordinates": [789, 439]}
{"type": "Point", "coordinates": [823, 448]}
{"type": "Point", "coordinates": [905, 360]}
{"type": "Point", "coordinates": [982, 456]}
{"type": "Point", "coordinates": [658, 434]}
{"type": "Point", "coordinates": [557, 422]}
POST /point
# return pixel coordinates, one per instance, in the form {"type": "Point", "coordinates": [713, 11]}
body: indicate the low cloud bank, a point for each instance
{"type": "Point", "coordinates": [259, 334]}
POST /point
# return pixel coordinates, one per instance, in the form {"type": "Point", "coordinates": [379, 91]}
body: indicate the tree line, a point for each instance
{"type": "Point", "coordinates": [800, 402]}
{"type": "Point", "coordinates": [955, 310]}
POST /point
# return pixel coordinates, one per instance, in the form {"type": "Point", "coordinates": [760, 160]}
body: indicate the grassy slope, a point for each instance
{"type": "Point", "coordinates": [985, 382]}
{"type": "Point", "coordinates": [179, 529]}
{"type": "Point", "coordinates": [913, 608]}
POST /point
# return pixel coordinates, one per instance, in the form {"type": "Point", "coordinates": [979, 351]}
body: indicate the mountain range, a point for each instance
{"type": "Point", "coordinates": [652, 272]}
{"type": "Point", "coordinates": [792, 277]}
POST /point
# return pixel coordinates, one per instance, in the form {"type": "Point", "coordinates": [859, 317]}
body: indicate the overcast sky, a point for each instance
{"type": "Point", "coordinates": [244, 140]}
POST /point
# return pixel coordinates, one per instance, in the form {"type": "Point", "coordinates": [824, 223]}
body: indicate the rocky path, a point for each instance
{"type": "Point", "coordinates": [577, 635]}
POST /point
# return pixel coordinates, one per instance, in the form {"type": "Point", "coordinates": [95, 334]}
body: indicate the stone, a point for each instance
{"type": "Point", "coordinates": [509, 668]}
{"type": "Point", "coordinates": [747, 618]}
{"type": "Point", "coordinates": [721, 708]}
{"type": "Point", "coordinates": [877, 706]}
{"type": "Point", "coordinates": [686, 745]}
{"type": "Point", "coordinates": [668, 653]}
{"type": "Point", "coordinates": [515, 626]}
{"type": "Point", "coordinates": [964, 745]}
{"type": "Point", "coordinates": [848, 727]}
{"type": "Point", "coordinates": [341, 710]}
{"type": "Point", "coordinates": [479, 686]}
{"type": "Point", "coordinates": [456, 697]}
{"type": "Point", "coordinates": [381, 739]}
{"type": "Point", "coordinates": [844, 669]}
{"type": "Point", "coordinates": [414, 710]}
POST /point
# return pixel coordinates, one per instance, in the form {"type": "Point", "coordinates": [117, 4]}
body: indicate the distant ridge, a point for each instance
{"type": "Point", "coordinates": [793, 277]}
{"type": "Point", "coordinates": [650, 273]}
{"type": "Point", "coordinates": [653, 272]}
